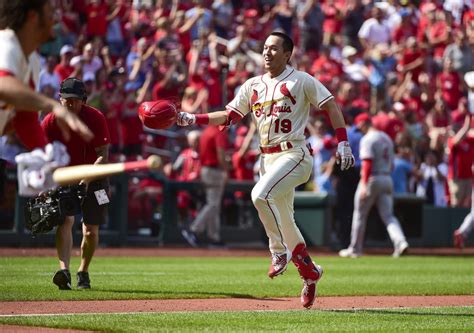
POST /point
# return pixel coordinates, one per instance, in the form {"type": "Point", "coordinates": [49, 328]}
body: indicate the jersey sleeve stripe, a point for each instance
{"type": "Point", "coordinates": [325, 100]}
{"type": "Point", "coordinates": [4, 73]}
{"type": "Point", "coordinates": [230, 108]}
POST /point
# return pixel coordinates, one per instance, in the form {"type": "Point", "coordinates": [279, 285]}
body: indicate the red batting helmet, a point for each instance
{"type": "Point", "coordinates": [158, 114]}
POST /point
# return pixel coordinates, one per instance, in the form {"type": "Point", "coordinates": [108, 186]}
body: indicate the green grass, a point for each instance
{"type": "Point", "coordinates": [29, 278]}
{"type": "Point", "coordinates": [389, 320]}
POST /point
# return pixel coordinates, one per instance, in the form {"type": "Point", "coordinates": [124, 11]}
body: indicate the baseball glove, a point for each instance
{"type": "Point", "coordinates": [48, 210]}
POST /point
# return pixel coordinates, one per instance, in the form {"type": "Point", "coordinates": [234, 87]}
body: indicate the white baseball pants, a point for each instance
{"type": "Point", "coordinates": [273, 195]}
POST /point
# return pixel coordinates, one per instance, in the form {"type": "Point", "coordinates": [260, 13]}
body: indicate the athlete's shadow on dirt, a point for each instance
{"type": "Point", "coordinates": [401, 312]}
{"type": "Point", "coordinates": [204, 293]}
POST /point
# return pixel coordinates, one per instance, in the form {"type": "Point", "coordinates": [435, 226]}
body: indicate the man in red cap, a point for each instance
{"type": "Point", "coordinates": [375, 187]}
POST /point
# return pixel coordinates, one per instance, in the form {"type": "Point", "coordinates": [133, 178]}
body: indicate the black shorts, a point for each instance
{"type": "Point", "coordinates": [92, 212]}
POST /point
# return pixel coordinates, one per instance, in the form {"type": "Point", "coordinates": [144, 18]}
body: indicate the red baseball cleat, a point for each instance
{"type": "Point", "coordinates": [279, 263]}
{"type": "Point", "coordinates": [458, 239]}
{"type": "Point", "coordinates": [309, 292]}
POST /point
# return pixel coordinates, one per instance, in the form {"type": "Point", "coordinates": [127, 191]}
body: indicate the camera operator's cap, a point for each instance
{"type": "Point", "coordinates": [469, 79]}
{"type": "Point", "coordinates": [72, 88]}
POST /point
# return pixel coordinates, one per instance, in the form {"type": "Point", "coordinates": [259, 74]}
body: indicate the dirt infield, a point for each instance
{"type": "Point", "coordinates": [228, 304]}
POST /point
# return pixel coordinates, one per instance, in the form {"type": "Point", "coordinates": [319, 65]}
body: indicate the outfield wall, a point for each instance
{"type": "Point", "coordinates": [424, 225]}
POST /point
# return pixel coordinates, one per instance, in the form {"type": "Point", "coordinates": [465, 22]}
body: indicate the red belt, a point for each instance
{"type": "Point", "coordinates": [276, 149]}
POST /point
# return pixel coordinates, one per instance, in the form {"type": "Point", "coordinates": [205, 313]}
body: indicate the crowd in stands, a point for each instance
{"type": "Point", "coordinates": [403, 62]}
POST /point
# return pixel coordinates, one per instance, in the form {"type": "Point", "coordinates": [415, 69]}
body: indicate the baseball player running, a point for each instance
{"type": "Point", "coordinates": [279, 102]}
{"type": "Point", "coordinates": [375, 187]}
{"type": "Point", "coordinates": [467, 225]}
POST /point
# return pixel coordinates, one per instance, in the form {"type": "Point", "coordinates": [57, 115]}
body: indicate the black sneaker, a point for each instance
{"type": "Point", "coordinates": [62, 279]}
{"type": "Point", "coordinates": [190, 237]}
{"type": "Point", "coordinates": [83, 281]}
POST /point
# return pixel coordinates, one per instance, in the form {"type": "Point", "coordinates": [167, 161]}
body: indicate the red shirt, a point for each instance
{"type": "Point", "coordinates": [191, 165]}
{"type": "Point", "coordinates": [209, 80]}
{"type": "Point", "coordinates": [460, 158]}
{"type": "Point", "coordinates": [97, 19]}
{"type": "Point", "coordinates": [63, 71]}
{"type": "Point", "coordinates": [243, 166]}
{"type": "Point", "coordinates": [450, 91]}
{"type": "Point", "coordinates": [324, 65]}
{"type": "Point", "coordinates": [387, 124]}
{"type": "Point", "coordinates": [211, 140]}
{"type": "Point", "coordinates": [132, 127]}
{"type": "Point", "coordinates": [81, 152]}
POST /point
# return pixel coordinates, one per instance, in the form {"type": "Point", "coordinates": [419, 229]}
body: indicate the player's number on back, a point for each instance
{"type": "Point", "coordinates": [283, 126]}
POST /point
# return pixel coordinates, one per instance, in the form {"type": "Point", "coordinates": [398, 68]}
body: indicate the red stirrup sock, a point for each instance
{"type": "Point", "coordinates": [303, 263]}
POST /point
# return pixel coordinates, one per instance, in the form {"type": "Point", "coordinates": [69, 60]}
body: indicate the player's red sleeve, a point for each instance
{"type": "Point", "coordinates": [366, 170]}
{"type": "Point", "coordinates": [28, 129]}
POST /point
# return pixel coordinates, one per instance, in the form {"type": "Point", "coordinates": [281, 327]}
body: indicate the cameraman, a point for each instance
{"type": "Point", "coordinates": [94, 205]}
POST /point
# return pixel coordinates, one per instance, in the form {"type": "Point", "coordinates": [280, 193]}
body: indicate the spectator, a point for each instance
{"type": "Point", "coordinates": [138, 64]}
{"type": "Point", "coordinates": [374, 30]}
{"type": "Point", "coordinates": [223, 12]}
{"type": "Point", "coordinates": [115, 35]}
{"type": "Point", "coordinates": [64, 69]}
{"type": "Point", "coordinates": [353, 66]}
{"type": "Point", "coordinates": [282, 15]}
{"type": "Point", "coordinates": [310, 18]}
{"type": "Point", "coordinates": [460, 53]}
{"type": "Point", "coordinates": [97, 16]}
{"type": "Point", "coordinates": [403, 168]}
{"type": "Point", "coordinates": [460, 161]}
{"type": "Point", "coordinates": [449, 84]}
{"type": "Point", "coordinates": [49, 77]}
{"type": "Point", "coordinates": [353, 20]}
{"type": "Point", "coordinates": [87, 62]}
{"type": "Point", "coordinates": [407, 28]}
{"type": "Point", "coordinates": [194, 101]}
{"type": "Point", "coordinates": [198, 20]}
{"type": "Point", "coordinates": [333, 19]}
{"type": "Point", "coordinates": [170, 74]}
{"type": "Point", "coordinates": [382, 63]}
{"type": "Point", "coordinates": [432, 180]}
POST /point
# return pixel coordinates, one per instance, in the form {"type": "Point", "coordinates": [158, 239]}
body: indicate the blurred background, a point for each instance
{"type": "Point", "coordinates": [409, 64]}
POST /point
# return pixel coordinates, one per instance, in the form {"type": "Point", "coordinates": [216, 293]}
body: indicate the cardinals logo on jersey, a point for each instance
{"type": "Point", "coordinates": [285, 92]}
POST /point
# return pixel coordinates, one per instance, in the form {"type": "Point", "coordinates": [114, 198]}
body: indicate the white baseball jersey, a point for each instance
{"type": "Point", "coordinates": [14, 63]}
{"type": "Point", "coordinates": [280, 105]}
{"type": "Point", "coordinates": [378, 147]}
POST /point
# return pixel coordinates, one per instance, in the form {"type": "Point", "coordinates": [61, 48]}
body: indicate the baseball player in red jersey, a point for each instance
{"type": "Point", "coordinates": [24, 26]}
{"type": "Point", "coordinates": [375, 187]}
{"type": "Point", "coordinates": [279, 102]}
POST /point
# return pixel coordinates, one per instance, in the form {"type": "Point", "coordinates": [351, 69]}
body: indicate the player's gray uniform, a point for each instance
{"type": "Point", "coordinates": [378, 147]}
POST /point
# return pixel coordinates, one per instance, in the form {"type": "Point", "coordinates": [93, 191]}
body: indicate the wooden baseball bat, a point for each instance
{"type": "Point", "coordinates": [74, 174]}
